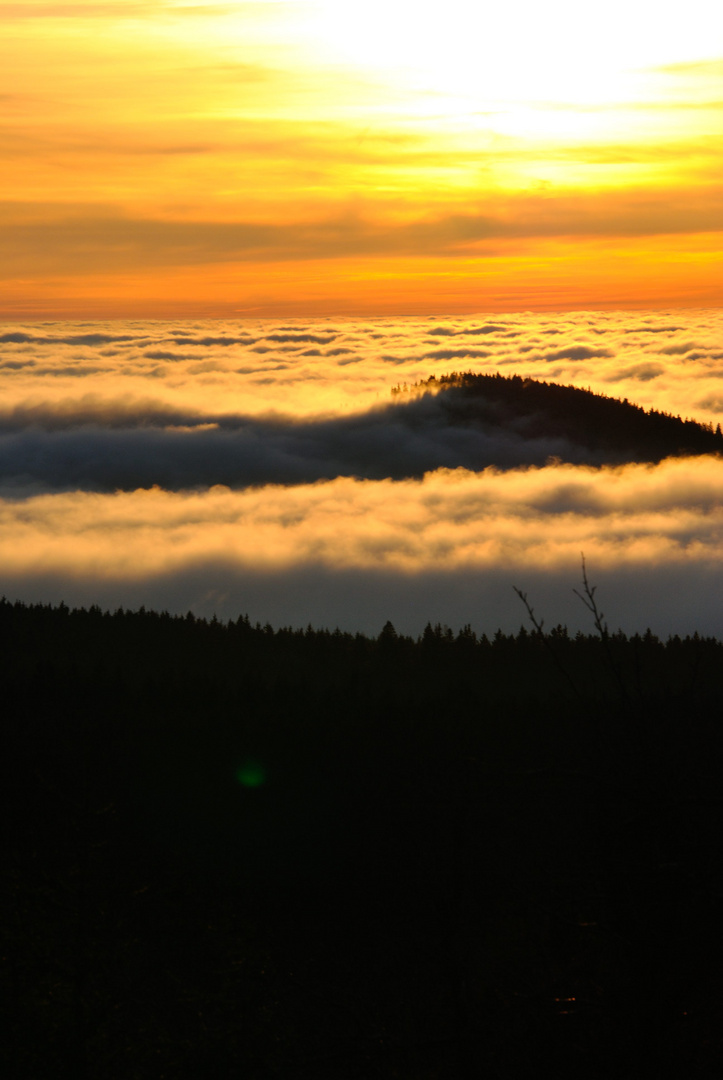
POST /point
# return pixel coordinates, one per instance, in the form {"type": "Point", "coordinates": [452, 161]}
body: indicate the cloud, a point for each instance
{"type": "Point", "coordinates": [80, 242]}
{"type": "Point", "coordinates": [160, 354]}
{"type": "Point", "coordinates": [31, 9]}
{"type": "Point", "coordinates": [644, 372]}
{"type": "Point", "coordinates": [204, 342]}
{"type": "Point", "coordinates": [357, 552]}
{"type": "Point", "coordinates": [453, 354]}
{"type": "Point", "coordinates": [317, 339]}
{"type": "Point", "coordinates": [679, 349]}
{"type": "Point", "coordinates": [103, 448]}
{"type": "Point", "coordinates": [54, 356]}
{"type": "Point", "coordinates": [488, 328]}
{"type": "Point", "coordinates": [702, 68]}
{"type": "Point", "coordinates": [712, 403]}
{"type": "Point", "coordinates": [652, 329]}
{"type": "Point", "coordinates": [96, 444]}
{"type": "Point", "coordinates": [19, 337]}
{"type": "Point", "coordinates": [84, 406]}
{"type": "Point", "coordinates": [90, 410]}
{"type": "Point", "coordinates": [577, 352]}
{"type": "Point", "coordinates": [120, 9]}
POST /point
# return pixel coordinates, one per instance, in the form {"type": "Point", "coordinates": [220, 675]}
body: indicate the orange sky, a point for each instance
{"type": "Point", "coordinates": [310, 158]}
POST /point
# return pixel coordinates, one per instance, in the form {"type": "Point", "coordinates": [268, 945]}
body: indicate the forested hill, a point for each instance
{"type": "Point", "coordinates": [532, 409]}
{"type": "Point", "coordinates": [457, 421]}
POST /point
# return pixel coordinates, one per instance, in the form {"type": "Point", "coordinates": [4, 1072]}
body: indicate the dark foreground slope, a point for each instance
{"type": "Point", "coordinates": [246, 853]}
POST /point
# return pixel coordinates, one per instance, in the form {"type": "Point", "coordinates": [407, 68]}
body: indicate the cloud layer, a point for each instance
{"type": "Point", "coordinates": [102, 372]}
{"type": "Point", "coordinates": [105, 449]}
{"type": "Point", "coordinates": [450, 540]}
{"type": "Point", "coordinates": [296, 409]}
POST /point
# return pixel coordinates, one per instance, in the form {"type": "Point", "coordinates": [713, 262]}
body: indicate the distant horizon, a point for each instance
{"type": "Point", "coordinates": [183, 313]}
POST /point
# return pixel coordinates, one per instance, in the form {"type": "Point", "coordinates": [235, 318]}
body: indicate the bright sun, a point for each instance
{"type": "Point", "coordinates": [522, 51]}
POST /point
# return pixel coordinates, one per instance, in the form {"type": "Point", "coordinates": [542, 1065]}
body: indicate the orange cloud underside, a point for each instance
{"type": "Point", "coordinates": [550, 275]}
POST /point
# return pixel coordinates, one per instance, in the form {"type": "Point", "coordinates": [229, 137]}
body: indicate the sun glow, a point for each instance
{"type": "Point", "coordinates": [522, 51]}
{"type": "Point", "coordinates": [319, 156]}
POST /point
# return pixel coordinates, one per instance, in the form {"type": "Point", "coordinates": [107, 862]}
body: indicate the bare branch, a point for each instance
{"type": "Point", "coordinates": [588, 598]}
{"type": "Point", "coordinates": [538, 625]}
{"type": "Point", "coordinates": [530, 610]}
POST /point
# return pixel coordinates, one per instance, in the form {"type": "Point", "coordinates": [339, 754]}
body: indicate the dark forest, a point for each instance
{"type": "Point", "coordinates": [240, 851]}
{"type": "Point", "coordinates": [607, 428]}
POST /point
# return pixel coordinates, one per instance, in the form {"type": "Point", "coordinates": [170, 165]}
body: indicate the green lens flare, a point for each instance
{"type": "Point", "coordinates": [251, 774]}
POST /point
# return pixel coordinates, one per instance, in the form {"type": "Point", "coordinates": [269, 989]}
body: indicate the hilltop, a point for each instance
{"type": "Point", "coordinates": [608, 428]}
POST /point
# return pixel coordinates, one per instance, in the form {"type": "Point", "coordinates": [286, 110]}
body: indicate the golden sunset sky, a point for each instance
{"type": "Point", "coordinates": [314, 157]}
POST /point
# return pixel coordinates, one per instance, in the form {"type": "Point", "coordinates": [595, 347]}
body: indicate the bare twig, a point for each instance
{"type": "Point", "coordinates": [590, 603]}
{"type": "Point", "coordinates": [531, 610]}
{"type": "Point", "coordinates": [588, 598]}
{"type": "Point", "coordinates": [538, 625]}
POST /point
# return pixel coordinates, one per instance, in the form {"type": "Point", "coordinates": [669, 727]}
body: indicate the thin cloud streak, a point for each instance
{"type": "Point", "coordinates": [85, 243]}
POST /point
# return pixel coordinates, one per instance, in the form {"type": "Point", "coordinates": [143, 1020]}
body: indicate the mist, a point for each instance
{"type": "Point", "coordinates": [267, 468]}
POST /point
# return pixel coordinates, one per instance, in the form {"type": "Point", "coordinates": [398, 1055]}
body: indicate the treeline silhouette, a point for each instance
{"type": "Point", "coordinates": [302, 853]}
{"type": "Point", "coordinates": [539, 409]}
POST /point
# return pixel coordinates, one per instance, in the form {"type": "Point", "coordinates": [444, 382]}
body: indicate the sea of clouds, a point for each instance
{"type": "Point", "coordinates": [266, 467]}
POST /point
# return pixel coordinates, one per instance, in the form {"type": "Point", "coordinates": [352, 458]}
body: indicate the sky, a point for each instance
{"type": "Point", "coordinates": [267, 467]}
{"type": "Point", "coordinates": [313, 158]}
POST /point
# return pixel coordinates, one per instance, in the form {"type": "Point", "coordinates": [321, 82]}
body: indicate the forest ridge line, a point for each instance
{"type": "Point", "coordinates": [133, 649]}
{"type": "Point", "coordinates": [535, 408]}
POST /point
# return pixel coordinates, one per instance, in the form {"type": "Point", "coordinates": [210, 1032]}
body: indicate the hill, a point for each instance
{"type": "Point", "coordinates": [608, 428]}
{"type": "Point", "coordinates": [459, 420]}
